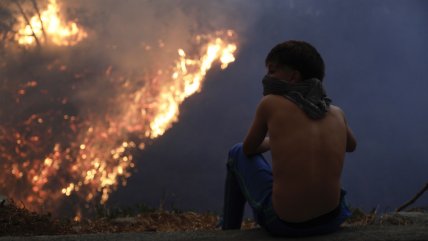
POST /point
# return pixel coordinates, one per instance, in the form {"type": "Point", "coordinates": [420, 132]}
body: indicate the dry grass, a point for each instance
{"type": "Point", "coordinates": [359, 217]}
{"type": "Point", "coordinates": [15, 219]}
{"type": "Point", "coordinates": [156, 221]}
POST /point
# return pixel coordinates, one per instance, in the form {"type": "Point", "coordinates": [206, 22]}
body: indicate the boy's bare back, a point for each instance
{"type": "Point", "coordinates": [307, 136]}
{"type": "Point", "coordinates": [307, 157]}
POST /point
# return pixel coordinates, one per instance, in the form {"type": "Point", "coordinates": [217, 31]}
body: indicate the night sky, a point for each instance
{"type": "Point", "coordinates": [376, 61]}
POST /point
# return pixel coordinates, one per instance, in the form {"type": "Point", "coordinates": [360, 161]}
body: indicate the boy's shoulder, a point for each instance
{"type": "Point", "coordinates": [278, 102]}
{"type": "Point", "coordinates": [337, 110]}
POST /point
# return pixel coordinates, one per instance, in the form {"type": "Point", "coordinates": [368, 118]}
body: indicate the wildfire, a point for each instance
{"type": "Point", "coordinates": [49, 24]}
{"type": "Point", "coordinates": [188, 75]}
{"type": "Point", "coordinates": [94, 155]}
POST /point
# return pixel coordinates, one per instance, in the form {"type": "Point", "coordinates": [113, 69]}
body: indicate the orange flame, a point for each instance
{"type": "Point", "coordinates": [60, 33]}
{"type": "Point", "coordinates": [188, 75]}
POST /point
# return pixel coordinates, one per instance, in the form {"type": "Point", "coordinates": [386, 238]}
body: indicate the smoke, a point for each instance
{"type": "Point", "coordinates": [135, 25]}
{"type": "Point", "coordinates": [142, 37]}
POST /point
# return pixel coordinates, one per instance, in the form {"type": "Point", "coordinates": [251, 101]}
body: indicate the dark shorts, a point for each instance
{"type": "Point", "coordinates": [255, 180]}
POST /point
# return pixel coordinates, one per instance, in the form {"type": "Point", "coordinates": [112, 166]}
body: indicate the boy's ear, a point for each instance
{"type": "Point", "coordinates": [271, 68]}
{"type": "Point", "coordinates": [295, 76]}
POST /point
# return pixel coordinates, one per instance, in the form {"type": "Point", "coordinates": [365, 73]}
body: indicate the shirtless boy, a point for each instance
{"type": "Point", "coordinates": [300, 193]}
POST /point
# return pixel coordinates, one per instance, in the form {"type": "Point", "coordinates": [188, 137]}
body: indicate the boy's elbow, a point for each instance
{"type": "Point", "coordinates": [350, 147]}
{"type": "Point", "coordinates": [247, 149]}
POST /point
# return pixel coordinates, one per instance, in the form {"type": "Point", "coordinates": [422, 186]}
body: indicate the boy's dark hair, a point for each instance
{"type": "Point", "coordinates": [298, 55]}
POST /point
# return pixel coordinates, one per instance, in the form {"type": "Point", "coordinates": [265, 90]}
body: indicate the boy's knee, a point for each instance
{"type": "Point", "coordinates": [235, 150]}
{"type": "Point", "coordinates": [234, 154]}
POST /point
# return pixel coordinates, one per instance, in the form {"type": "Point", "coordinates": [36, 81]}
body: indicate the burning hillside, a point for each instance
{"type": "Point", "coordinates": [47, 25]}
{"type": "Point", "coordinates": [71, 117]}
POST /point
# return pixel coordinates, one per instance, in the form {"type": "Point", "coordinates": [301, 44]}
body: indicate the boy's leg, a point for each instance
{"type": "Point", "coordinates": [234, 203]}
{"type": "Point", "coordinates": [253, 176]}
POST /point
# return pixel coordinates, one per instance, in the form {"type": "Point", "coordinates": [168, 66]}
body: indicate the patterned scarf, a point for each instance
{"type": "Point", "coordinates": [309, 94]}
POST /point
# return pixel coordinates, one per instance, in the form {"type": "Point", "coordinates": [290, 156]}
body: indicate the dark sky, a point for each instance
{"type": "Point", "coordinates": [376, 61]}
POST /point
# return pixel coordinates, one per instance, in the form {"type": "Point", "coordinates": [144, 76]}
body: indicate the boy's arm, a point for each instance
{"type": "Point", "coordinates": [351, 142]}
{"type": "Point", "coordinates": [256, 141]}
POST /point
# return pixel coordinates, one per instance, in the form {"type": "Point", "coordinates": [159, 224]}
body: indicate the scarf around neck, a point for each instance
{"type": "Point", "coordinates": [309, 94]}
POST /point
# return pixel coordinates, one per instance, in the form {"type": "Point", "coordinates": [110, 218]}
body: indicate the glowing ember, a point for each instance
{"type": "Point", "coordinates": [94, 155]}
{"type": "Point", "coordinates": [60, 33]}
